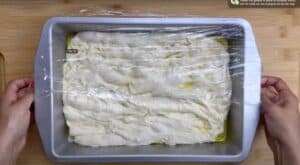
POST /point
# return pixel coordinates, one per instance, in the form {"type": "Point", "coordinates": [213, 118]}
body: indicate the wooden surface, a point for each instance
{"type": "Point", "coordinates": [2, 73]}
{"type": "Point", "coordinates": [277, 33]}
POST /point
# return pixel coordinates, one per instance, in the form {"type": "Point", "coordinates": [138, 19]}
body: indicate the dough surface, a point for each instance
{"type": "Point", "coordinates": [144, 88]}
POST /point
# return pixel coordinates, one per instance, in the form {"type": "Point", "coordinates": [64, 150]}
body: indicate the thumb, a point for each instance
{"type": "Point", "coordinates": [26, 100]}
{"type": "Point", "coordinates": [267, 105]}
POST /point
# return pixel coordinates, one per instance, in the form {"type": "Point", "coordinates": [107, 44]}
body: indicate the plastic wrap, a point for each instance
{"type": "Point", "coordinates": [168, 85]}
{"type": "Point", "coordinates": [134, 81]}
{"type": "Point", "coordinates": [115, 11]}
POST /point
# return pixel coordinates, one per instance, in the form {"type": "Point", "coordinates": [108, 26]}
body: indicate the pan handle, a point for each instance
{"type": "Point", "coordinates": [252, 88]}
{"type": "Point", "coordinates": [42, 88]}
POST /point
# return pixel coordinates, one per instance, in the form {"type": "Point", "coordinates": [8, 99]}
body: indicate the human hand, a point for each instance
{"type": "Point", "coordinates": [14, 118]}
{"type": "Point", "coordinates": [282, 120]}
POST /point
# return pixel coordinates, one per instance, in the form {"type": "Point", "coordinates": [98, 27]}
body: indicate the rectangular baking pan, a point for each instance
{"type": "Point", "coordinates": [243, 115]}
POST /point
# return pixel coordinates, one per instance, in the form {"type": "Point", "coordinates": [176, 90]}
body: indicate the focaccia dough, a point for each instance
{"type": "Point", "coordinates": [144, 88]}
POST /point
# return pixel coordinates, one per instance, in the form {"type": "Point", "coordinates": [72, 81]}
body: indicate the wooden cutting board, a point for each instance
{"type": "Point", "coordinates": [276, 31]}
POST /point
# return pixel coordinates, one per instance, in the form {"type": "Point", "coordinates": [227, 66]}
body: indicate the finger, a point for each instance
{"type": "Point", "coordinates": [276, 82]}
{"type": "Point", "coordinates": [26, 101]}
{"type": "Point", "coordinates": [17, 84]}
{"type": "Point", "coordinates": [21, 92]}
{"type": "Point", "coordinates": [266, 104]}
{"type": "Point", "coordinates": [270, 94]}
{"type": "Point", "coordinates": [264, 80]}
{"type": "Point", "coordinates": [279, 85]}
{"type": "Point", "coordinates": [13, 87]}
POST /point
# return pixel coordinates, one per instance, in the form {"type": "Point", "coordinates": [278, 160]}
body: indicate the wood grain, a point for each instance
{"type": "Point", "coordinates": [276, 32]}
{"type": "Point", "coordinates": [2, 73]}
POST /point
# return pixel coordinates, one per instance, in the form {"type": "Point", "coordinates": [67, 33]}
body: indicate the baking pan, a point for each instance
{"type": "Point", "coordinates": [245, 70]}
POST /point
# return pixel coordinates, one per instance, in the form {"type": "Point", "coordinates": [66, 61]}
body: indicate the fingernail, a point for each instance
{"type": "Point", "coordinates": [31, 85]}
{"type": "Point", "coordinates": [263, 81]}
